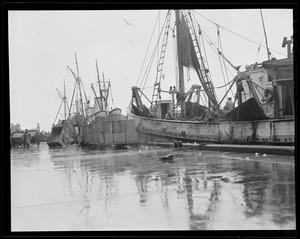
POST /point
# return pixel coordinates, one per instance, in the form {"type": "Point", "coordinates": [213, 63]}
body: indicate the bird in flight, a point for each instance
{"type": "Point", "coordinates": [128, 23]}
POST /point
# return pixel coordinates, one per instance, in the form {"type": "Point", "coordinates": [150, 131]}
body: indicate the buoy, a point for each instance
{"type": "Point", "coordinates": [247, 158]}
{"type": "Point", "coordinates": [200, 154]}
{"type": "Point", "coordinates": [256, 154]}
{"type": "Point", "coordinates": [264, 155]}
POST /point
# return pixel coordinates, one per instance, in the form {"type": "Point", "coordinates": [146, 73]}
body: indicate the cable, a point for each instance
{"type": "Point", "coordinates": [235, 33]}
{"type": "Point", "coordinates": [147, 50]}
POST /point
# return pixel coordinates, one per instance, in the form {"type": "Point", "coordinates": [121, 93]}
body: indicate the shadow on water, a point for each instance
{"type": "Point", "coordinates": [204, 190]}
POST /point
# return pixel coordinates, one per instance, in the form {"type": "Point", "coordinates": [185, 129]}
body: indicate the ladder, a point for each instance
{"type": "Point", "coordinates": [156, 89]}
{"type": "Point", "coordinates": [206, 82]}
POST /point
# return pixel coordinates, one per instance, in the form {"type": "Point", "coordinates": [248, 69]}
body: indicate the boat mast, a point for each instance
{"type": "Point", "coordinates": [262, 19]}
{"type": "Point", "coordinates": [105, 92]}
{"type": "Point", "coordinates": [64, 99]}
{"type": "Point", "coordinates": [78, 82]}
{"type": "Point", "coordinates": [97, 100]}
{"type": "Point", "coordinates": [180, 65]}
{"type": "Point", "coordinates": [99, 84]}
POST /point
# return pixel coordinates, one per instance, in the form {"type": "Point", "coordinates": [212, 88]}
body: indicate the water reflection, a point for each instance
{"type": "Point", "coordinates": [136, 190]}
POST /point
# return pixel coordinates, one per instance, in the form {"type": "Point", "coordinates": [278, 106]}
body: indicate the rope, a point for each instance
{"type": "Point", "coordinates": [218, 35]}
{"type": "Point", "coordinates": [226, 71]}
{"type": "Point", "coordinates": [147, 50]}
{"type": "Point", "coordinates": [236, 33]}
{"type": "Point", "coordinates": [219, 87]}
{"type": "Point", "coordinates": [153, 54]}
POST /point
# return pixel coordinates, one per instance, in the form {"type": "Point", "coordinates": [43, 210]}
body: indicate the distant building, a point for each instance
{"type": "Point", "coordinates": [14, 128]}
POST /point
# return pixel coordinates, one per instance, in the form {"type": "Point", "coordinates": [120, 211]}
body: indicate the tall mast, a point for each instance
{"type": "Point", "coordinates": [99, 84]}
{"type": "Point", "coordinates": [180, 66]}
{"type": "Point", "coordinates": [262, 19]}
{"type": "Point", "coordinates": [64, 99]}
{"type": "Point", "coordinates": [105, 91]}
{"type": "Point", "coordinates": [78, 82]}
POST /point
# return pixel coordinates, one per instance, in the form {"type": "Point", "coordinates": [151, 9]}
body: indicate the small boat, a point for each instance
{"type": "Point", "coordinates": [264, 113]}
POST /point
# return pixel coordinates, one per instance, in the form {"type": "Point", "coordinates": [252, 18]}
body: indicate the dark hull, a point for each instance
{"type": "Point", "coordinates": [61, 136]}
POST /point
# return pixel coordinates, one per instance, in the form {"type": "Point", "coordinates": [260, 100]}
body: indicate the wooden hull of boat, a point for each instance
{"type": "Point", "coordinates": [264, 132]}
{"type": "Point", "coordinates": [114, 130]}
{"type": "Point", "coordinates": [55, 138]}
{"type": "Point", "coordinates": [61, 136]}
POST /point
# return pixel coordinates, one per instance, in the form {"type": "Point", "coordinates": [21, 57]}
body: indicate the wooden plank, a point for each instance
{"type": "Point", "coordinates": [107, 127]}
{"type": "Point", "coordinates": [129, 137]}
{"type": "Point", "coordinates": [100, 138]}
{"type": "Point", "coordinates": [119, 138]}
{"type": "Point", "coordinates": [108, 138]}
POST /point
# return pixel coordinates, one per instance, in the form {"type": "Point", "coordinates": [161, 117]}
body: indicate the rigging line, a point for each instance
{"type": "Point", "coordinates": [257, 85]}
{"type": "Point", "coordinates": [262, 19]}
{"type": "Point", "coordinates": [217, 51]}
{"type": "Point", "coordinates": [210, 42]}
{"type": "Point", "coordinates": [257, 53]}
{"type": "Point", "coordinates": [146, 74]}
{"type": "Point", "coordinates": [147, 49]}
{"type": "Point", "coordinates": [238, 34]}
{"type": "Point", "coordinates": [210, 76]}
{"type": "Point", "coordinates": [204, 49]}
{"type": "Point", "coordinates": [219, 87]}
{"type": "Point", "coordinates": [252, 41]}
{"type": "Point", "coordinates": [205, 100]}
{"type": "Point", "coordinates": [226, 70]}
{"type": "Point", "coordinates": [218, 32]}
{"type": "Point", "coordinates": [148, 87]}
{"type": "Point", "coordinates": [148, 69]}
{"type": "Point", "coordinates": [202, 59]}
{"type": "Point", "coordinates": [156, 46]}
{"type": "Point", "coordinates": [158, 34]}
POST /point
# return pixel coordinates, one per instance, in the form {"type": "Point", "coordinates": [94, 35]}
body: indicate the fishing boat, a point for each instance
{"type": "Point", "coordinates": [264, 96]}
{"type": "Point", "coordinates": [66, 131]}
{"type": "Point", "coordinates": [106, 126]}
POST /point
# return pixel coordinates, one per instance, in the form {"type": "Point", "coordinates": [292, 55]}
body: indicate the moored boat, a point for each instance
{"type": "Point", "coordinates": [264, 93]}
{"type": "Point", "coordinates": [106, 125]}
{"type": "Point", "coordinates": [66, 130]}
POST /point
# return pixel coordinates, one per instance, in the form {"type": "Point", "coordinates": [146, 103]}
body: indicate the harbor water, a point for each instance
{"type": "Point", "coordinates": [75, 189]}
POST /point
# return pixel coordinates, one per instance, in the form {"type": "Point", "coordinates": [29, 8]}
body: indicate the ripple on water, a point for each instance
{"type": "Point", "coordinates": [104, 189]}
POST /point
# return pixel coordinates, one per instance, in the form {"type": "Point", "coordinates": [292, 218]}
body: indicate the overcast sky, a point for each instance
{"type": "Point", "coordinates": [43, 43]}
